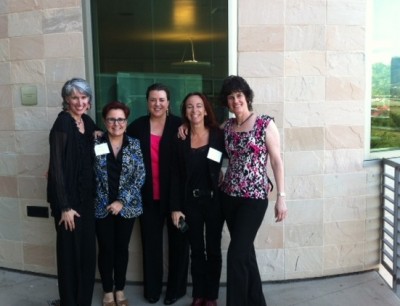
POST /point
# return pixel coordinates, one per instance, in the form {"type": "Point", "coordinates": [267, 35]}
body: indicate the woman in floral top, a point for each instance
{"type": "Point", "coordinates": [249, 140]}
{"type": "Point", "coordinates": [119, 176]}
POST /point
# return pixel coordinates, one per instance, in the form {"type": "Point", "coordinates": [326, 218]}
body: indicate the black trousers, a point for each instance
{"type": "Point", "coordinates": [204, 217]}
{"type": "Point", "coordinates": [152, 226]}
{"type": "Point", "coordinates": [243, 217]}
{"type": "Point", "coordinates": [113, 236]}
{"type": "Point", "coordinates": [76, 261]}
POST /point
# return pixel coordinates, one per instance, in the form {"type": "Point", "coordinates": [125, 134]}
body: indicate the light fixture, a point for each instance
{"type": "Point", "coordinates": [191, 62]}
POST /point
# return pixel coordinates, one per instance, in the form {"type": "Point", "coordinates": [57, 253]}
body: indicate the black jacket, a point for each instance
{"type": "Point", "coordinates": [181, 175]}
{"type": "Point", "coordinates": [140, 129]}
{"type": "Point", "coordinates": [70, 175]}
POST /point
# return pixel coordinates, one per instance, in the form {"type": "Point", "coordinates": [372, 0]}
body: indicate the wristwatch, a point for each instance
{"type": "Point", "coordinates": [281, 194]}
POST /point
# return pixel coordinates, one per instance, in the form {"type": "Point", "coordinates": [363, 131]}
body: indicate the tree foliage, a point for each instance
{"type": "Point", "coordinates": [380, 80]}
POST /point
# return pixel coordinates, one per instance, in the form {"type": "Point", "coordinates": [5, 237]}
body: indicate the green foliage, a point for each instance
{"type": "Point", "coordinates": [380, 80]}
{"type": "Point", "coordinates": [385, 131]}
{"type": "Point", "coordinates": [395, 118]}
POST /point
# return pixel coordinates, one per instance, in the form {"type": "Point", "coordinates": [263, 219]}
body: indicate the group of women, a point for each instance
{"type": "Point", "coordinates": [149, 170]}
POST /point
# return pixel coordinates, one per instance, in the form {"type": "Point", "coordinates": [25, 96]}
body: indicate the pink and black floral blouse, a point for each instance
{"type": "Point", "coordinates": [246, 175]}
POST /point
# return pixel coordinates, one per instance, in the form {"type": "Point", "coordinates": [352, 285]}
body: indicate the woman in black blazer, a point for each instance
{"type": "Point", "coordinates": [155, 133]}
{"type": "Point", "coordinates": [196, 168]}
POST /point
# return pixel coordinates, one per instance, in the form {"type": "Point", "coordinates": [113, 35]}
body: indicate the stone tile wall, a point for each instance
{"type": "Point", "coordinates": [41, 44]}
{"type": "Point", "coordinates": [306, 63]}
{"type": "Point", "coordinates": [305, 60]}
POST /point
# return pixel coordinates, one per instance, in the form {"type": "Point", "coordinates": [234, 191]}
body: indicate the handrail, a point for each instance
{"type": "Point", "coordinates": [390, 200]}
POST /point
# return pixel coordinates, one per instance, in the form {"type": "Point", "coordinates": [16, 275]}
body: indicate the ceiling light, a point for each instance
{"type": "Point", "coordinates": [190, 62]}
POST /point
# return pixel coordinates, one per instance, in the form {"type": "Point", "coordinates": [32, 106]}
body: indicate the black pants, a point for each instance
{"type": "Point", "coordinates": [204, 217]}
{"type": "Point", "coordinates": [76, 261]}
{"type": "Point", "coordinates": [113, 236]}
{"type": "Point", "coordinates": [243, 217]}
{"type": "Point", "coordinates": [152, 226]}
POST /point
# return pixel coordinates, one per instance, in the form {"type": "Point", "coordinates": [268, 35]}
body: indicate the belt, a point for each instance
{"type": "Point", "coordinates": [197, 193]}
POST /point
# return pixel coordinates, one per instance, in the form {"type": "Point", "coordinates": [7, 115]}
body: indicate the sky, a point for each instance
{"type": "Point", "coordinates": [385, 24]}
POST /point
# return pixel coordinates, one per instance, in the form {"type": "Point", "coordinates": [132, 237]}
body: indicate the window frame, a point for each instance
{"type": "Point", "coordinates": [369, 155]}
{"type": "Point", "coordinates": [88, 45]}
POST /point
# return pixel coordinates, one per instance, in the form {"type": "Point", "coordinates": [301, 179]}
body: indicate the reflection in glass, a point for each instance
{"type": "Point", "coordinates": [385, 100]}
{"type": "Point", "coordinates": [137, 42]}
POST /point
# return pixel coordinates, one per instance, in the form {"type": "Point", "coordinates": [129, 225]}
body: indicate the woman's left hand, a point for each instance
{"type": "Point", "coordinates": [280, 209]}
{"type": "Point", "coordinates": [175, 215]}
{"type": "Point", "coordinates": [115, 207]}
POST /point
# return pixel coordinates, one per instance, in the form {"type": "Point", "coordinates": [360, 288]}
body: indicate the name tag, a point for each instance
{"type": "Point", "coordinates": [101, 149]}
{"type": "Point", "coordinates": [214, 155]}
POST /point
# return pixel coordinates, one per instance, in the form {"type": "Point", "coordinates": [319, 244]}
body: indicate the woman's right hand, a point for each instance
{"type": "Point", "coordinates": [183, 131]}
{"type": "Point", "coordinates": [68, 218]}
{"type": "Point", "coordinates": [97, 134]}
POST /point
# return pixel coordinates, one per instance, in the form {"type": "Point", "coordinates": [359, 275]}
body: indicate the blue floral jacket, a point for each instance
{"type": "Point", "coordinates": [130, 182]}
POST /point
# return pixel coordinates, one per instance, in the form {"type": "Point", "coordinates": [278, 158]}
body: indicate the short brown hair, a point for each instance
{"type": "Point", "coordinates": [115, 105]}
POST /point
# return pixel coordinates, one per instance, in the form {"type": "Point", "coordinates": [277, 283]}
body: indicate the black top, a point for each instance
{"type": "Point", "coordinates": [183, 175]}
{"type": "Point", "coordinates": [70, 175]}
{"type": "Point", "coordinates": [199, 166]}
{"type": "Point", "coordinates": [114, 168]}
{"type": "Point", "coordinates": [140, 129]}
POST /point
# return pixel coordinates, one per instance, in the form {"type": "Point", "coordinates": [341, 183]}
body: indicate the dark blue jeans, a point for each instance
{"type": "Point", "coordinates": [243, 218]}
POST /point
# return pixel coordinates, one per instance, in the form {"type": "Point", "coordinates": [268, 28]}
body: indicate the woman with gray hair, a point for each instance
{"type": "Point", "coordinates": [70, 194]}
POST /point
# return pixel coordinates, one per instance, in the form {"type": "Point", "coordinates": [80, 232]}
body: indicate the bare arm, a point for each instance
{"type": "Point", "coordinates": [273, 144]}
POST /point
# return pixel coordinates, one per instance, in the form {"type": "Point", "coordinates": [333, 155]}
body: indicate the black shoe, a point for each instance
{"type": "Point", "coordinates": [152, 300]}
{"type": "Point", "coordinates": [170, 301]}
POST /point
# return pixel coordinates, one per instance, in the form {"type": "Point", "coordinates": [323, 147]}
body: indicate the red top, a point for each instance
{"type": "Point", "coordinates": [155, 169]}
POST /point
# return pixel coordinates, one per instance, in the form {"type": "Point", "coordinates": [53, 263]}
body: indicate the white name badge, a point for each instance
{"type": "Point", "coordinates": [214, 155]}
{"type": "Point", "coordinates": [101, 149]}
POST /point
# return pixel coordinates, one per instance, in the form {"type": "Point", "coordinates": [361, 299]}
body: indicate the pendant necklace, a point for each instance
{"type": "Point", "coordinates": [244, 121]}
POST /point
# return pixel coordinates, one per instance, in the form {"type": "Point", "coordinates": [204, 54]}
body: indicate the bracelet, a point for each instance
{"type": "Point", "coordinates": [281, 194]}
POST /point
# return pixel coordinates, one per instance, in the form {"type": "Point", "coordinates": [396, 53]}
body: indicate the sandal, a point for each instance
{"type": "Point", "coordinates": [109, 299]}
{"type": "Point", "coordinates": [120, 298]}
{"type": "Point", "coordinates": [122, 302]}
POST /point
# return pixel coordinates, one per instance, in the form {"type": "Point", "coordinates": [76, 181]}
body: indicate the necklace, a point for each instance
{"type": "Point", "coordinates": [77, 122]}
{"type": "Point", "coordinates": [244, 121]}
{"type": "Point", "coordinates": [116, 147]}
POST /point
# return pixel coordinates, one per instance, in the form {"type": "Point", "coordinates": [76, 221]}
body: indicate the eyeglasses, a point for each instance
{"type": "Point", "coordinates": [115, 120]}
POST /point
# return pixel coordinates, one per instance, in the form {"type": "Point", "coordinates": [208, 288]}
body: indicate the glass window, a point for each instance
{"type": "Point", "coordinates": [181, 43]}
{"type": "Point", "coordinates": [385, 78]}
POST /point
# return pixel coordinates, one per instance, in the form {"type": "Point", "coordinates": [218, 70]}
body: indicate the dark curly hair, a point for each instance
{"type": "Point", "coordinates": [235, 83]}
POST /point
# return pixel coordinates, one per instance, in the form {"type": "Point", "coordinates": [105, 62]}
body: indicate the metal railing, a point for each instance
{"type": "Point", "coordinates": [390, 257]}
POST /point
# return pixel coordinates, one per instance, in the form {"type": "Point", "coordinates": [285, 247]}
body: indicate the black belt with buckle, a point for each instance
{"type": "Point", "coordinates": [197, 193]}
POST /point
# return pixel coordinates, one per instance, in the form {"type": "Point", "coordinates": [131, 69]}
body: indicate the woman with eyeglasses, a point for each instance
{"type": "Point", "coordinates": [155, 133]}
{"type": "Point", "coordinates": [119, 173]}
